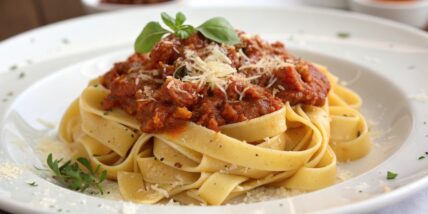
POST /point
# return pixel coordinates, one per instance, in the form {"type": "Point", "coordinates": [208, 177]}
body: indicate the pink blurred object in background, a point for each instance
{"type": "Point", "coordinates": [411, 12]}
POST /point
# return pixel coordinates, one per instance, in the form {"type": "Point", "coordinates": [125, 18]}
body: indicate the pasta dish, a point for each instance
{"type": "Point", "coordinates": [202, 121]}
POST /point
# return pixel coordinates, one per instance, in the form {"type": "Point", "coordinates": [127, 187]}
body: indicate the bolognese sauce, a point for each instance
{"type": "Point", "coordinates": [211, 84]}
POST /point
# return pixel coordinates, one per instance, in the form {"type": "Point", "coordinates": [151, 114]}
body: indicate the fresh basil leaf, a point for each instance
{"type": "Point", "coordinates": [180, 18]}
{"type": "Point", "coordinates": [220, 30]}
{"type": "Point", "coordinates": [185, 31]}
{"type": "Point", "coordinates": [150, 35]}
{"type": "Point", "coordinates": [169, 21]}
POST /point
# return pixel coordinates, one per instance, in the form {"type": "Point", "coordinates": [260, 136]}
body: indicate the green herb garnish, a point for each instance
{"type": "Point", "coordinates": [391, 175]}
{"type": "Point", "coordinates": [343, 35]}
{"type": "Point", "coordinates": [13, 67]}
{"type": "Point", "coordinates": [71, 175]}
{"type": "Point", "coordinates": [421, 157]}
{"type": "Point", "coordinates": [33, 184]}
{"type": "Point", "coordinates": [217, 29]}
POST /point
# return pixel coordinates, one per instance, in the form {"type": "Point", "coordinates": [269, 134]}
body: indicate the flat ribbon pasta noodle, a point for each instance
{"type": "Point", "coordinates": [132, 188]}
{"type": "Point", "coordinates": [222, 147]}
{"type": "Point", "coordinates": [69, 128]}
{"type": "Point", "coordinates": [218, 186]}
{"type": "Point", "coordinates": [350, 138]}
{"type": "Point", "coordinates": [295, 147]}
{"type": "Point", "coordinates": [250, 131]}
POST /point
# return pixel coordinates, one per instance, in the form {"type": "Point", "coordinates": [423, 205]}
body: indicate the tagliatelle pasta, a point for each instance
{"type": "Point", "coordinates": [151, 167]}
{"type": "Point", "coordinates": [202, 122]}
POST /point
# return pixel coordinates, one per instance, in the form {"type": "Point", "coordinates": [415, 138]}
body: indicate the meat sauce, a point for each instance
{"type": "Point", "coordinates": [147, 85]}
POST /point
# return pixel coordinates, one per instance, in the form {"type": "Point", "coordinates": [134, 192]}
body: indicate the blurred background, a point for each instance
{"type": "Point", "coordinates": [17, 16]}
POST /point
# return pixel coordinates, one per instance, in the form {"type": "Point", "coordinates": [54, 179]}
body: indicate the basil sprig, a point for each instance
{"type": "Point", "coordinates": [217, 29]}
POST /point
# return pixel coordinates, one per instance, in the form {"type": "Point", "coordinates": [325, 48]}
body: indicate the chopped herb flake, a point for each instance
{"type": "Point", "coordinates": [421, 157]}
{"type": "Point", "coordinates": [391, 175]}
{"type": "Point", "coordinates": [343, 35]}
{"type": "Point", "coordinates": [65, 41]}
{"type": "Point", "coordinates": [13, 68]}
{"type": "Point", "coordinates": [21, 75]}
{"type": "Point", "coordinates": [33, 184]}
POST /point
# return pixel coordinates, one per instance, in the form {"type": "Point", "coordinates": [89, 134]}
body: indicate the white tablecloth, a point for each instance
{"type": "Point", "coordinates": [417, 203]}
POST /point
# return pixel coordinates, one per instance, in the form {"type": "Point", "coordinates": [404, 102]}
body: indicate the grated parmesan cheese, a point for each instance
{"type": "Point", "coordinates": [170, 83]}
{"type": "Point", "coordinates": [148, 91]}
{"type": "Point", "coordinates": [267, 64]}
{"type": "Point", "coordinates": [161, 191]}
{"type": "Point", "coordinates": [272, 81]}
{"type": "Point", "coordinates": [212, 71]}
{"type": "Point", "coordinates": [242, 94]}
{"type": "Point", "coordinates": [242, 55]}
{"type": "Point", "coordinates": [343, 174]}
{"type": "Point", "coordinates": [9, 171]}
{"type": "Point", "coordinates": [47, 202]}
{"type": "Point", "coordinates": [274, 92]}
{"type": "Point", "coordinates": [129, 208]}
{"type": "Point", "coordinates": [218, 56]}
{"type": "Point", "coordinates": [265, 194]}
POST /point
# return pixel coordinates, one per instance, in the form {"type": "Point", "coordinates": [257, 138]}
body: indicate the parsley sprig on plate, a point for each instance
{"type": "Point", "coordinates": [73, 177]}
{"type": "Point", "coordinates": [217, 29]}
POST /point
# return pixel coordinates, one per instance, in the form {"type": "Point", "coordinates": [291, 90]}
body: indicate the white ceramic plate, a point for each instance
{"type": "Point", "coordinates": [94, 6]}
{"type": "Point", "coordinates": [42, 71]}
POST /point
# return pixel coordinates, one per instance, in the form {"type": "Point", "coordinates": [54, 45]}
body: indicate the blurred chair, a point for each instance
{"type": "Point", "coordinates": [17, 16]}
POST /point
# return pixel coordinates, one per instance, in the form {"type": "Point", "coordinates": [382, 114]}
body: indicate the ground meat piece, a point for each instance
{"type": "Point", "coordinates": [164, 52]}
{"type": "Point", "coordinates": [179, 93]}
{"type": "Point", "coordinates": [302, 84]}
